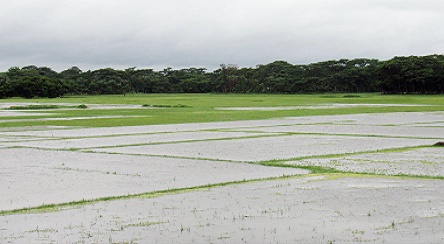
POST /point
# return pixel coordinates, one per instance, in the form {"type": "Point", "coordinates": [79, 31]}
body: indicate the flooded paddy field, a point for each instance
{"type": "Point", "coordinates": [414, 161]}
{"type": "Point", "coordinates": [33, 177]}
{"type": "Point", "coordinates": [134, 139]}
{"type": "Point", "coordinates": [316, 179]}
{"type": "Point", "coordinates": [306, 210]}
{"type": "Point", "coordinates": [269, 148]}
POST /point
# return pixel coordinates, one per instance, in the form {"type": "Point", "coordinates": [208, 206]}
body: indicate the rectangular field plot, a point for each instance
{"type": "Point", "coordinates": [11, 139]}
{"type": "Point", "coordinates": [270, 148]}
{"type": "Point", "coordinates": [32, 177]}
{"type": "Point", "coordinates": [420, 119]}
{"type": "Point", "coordinates": [304, 210]}
{"type": "Point", "coordinates": [370, 130]}
{"type": "Point", "coordinates": [111, 141]}
{"type": "Point", "coordinates": [400, 118]}
{"type": "Point", "coordinates": [135, 130]}
{"type": "Point", "coordinates": [6, 113]}
{"type": "Point", "coordinates": [419, 161]}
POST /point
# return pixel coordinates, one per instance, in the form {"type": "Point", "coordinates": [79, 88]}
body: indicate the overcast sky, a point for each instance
{"type": "Point", "coordinates": [94, 34]}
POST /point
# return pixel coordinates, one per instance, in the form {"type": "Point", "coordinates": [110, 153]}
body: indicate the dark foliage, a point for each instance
{"type": "Point", "coordinates": [399, 75]}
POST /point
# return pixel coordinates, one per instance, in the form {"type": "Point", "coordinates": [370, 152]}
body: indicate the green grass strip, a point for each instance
{"type": "Point", "coordinates": [279, 162]}
{"type": "Point", "coordinates": [331, 174]}
{"type": "Point", "coordinates": [424, 177]}
{"type": "Point", "coordinates": [60, 206]}
{"type": "Point", "coordinates": [44, 106]}
{"type": "Point", "coordinates": [313, 169]}
{"type": "Point", "coordinates": [192, 141]}
{"type": "Point", "coordinates": [329, 170]}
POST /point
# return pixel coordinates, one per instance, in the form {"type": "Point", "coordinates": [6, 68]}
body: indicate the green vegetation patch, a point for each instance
{"type": "Point", "coordinates": [166, 106]}
{"type": "Point", "coordinates": [281, 162]}
{"type": "Point", "coordinates": [44, 106]}
{"type": "Point", "coordinates": [32, 107]}
{"type": "Point", "coordinates": [200, 108]}
{"type": "Point", "coordinates": [350, 95]}
{"type": "Point", "coordinates": [61, 206]}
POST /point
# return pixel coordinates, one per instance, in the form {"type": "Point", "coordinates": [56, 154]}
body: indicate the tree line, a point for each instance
{"type": "Point", "coordinates": [399, 75]}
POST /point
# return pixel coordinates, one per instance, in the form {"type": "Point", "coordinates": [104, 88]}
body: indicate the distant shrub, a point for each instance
{"type": "Point", "coordinates": [439, 144]}
{"type": "Point", "coordinates": [31, 107]}
{"type": "Point", "coordinates": [166, 106]}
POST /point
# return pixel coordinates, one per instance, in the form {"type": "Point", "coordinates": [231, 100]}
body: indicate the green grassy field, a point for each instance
{"type": "Point", "coordinates": [186, 108]}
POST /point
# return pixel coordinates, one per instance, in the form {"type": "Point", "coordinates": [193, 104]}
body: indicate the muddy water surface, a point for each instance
{"type": "Point", "coordinates": [50, 165]}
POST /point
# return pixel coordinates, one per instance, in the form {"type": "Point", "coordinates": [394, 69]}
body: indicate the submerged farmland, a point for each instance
{"type": "Point", "coordinates": [334, 178]}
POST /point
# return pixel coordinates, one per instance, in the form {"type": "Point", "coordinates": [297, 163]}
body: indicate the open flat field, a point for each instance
{"type": "Point", "coordinates": [223, 169]}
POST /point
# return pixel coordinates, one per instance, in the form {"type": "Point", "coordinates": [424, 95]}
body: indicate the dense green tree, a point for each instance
{"type": "Point", "coordinates": [31, 81]}
{"type": "Point", "coordinates": [411, 74]}
{"type": "Point", "coordinates": [398, 75]}
{"type": "Point", "coordinates": [5, 86]}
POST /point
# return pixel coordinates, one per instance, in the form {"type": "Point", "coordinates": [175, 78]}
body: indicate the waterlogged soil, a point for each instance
{"type": "Point", "coordinates": [4, 112]}
{"type": "Point", "coordinates": [319, 106]}
{"type": "Point", "coordinates": [306, 210]}
{"type": "Point", "coordinates": [414, 131]}
{"type": "Point", "coordinates": [31, 177]}
{"type": "Point", "coordinates": [73, 118]}
{"type": "Point", "coordinates": [119, 140]}
{"type": "Point", "coordinates": [270, 148]}
{"type": "Point", "coordinates": [73, 105]}
{"type": "Point", "coordinates": [8, 113]}
{"type": "Point", "coordinates": [51, 165]}
{"type": "Point", "coordinates": [392, 120]}
{"type": "Point", "coordinates": [419, 161]}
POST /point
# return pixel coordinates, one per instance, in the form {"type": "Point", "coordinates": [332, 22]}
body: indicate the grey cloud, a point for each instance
{"type": "Point", "coordinates": [174, 33]}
